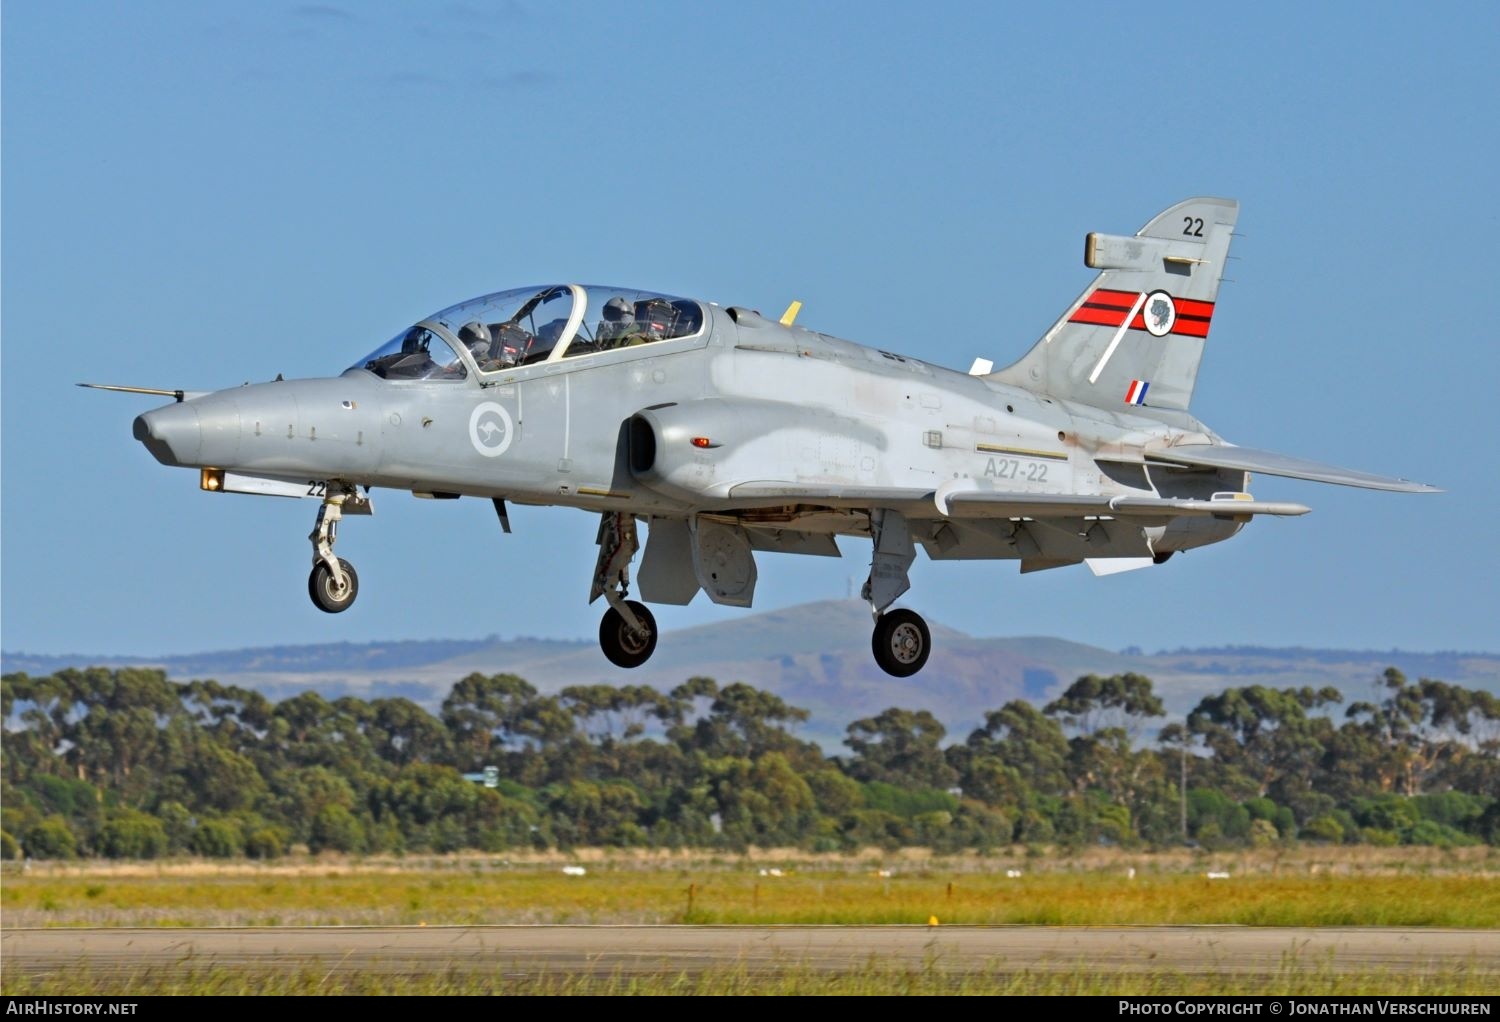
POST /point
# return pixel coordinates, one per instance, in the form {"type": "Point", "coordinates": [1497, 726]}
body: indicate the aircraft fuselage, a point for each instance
{"type": "Point", "coordinates": [728, 434]}
{"type": "Point", "coordinates": [766, 404]}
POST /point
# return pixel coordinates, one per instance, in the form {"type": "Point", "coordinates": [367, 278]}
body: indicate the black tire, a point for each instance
{"type": "Point", "coordinates": [325, 595]}
{"type": "Point", "coordinates": [901, 643]}
{"type": "Point", "coordinates": [623, 647]}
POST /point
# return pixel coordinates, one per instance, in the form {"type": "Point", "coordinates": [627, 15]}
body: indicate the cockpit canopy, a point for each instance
{"type": "Point", "coordinates": [527, 325]}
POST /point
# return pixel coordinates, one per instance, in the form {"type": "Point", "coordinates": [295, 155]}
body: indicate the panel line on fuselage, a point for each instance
{"type": "Point", "coordinates": [1025, 452]}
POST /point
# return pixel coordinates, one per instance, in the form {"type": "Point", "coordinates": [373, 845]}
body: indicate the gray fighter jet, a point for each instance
{"type": "Point", "coordinates": [728, 433]}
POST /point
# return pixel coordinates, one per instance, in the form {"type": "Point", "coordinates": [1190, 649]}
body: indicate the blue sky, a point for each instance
{"type": "Point", "coordinates": [200, 194]}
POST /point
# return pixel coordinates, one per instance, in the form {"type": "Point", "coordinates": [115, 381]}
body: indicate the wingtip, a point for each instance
{"type": "Point", "coordinates": [1412, 486]}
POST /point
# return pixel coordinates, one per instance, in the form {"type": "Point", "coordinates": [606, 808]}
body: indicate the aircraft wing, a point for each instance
{"type": "Point", "coordinates": [1248, 459]}
{"type": "Point", "coordinates": [987, 504]}
{"type": "Point", "coordinates": [910, 501]}
{"type": "Point", "coordinates": [949, 501]}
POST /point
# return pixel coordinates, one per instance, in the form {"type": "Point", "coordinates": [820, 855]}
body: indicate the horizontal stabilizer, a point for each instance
{"type": "Point", "coordinates": [1248, 459]}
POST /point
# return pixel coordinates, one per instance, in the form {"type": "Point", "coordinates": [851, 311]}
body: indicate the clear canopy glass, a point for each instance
{"type": "Point", "coordinates": [527, 325]}
{"type": "Point", "coordinates": [622, 318]}
{"type": "Point", "coordinates": [417, 353]}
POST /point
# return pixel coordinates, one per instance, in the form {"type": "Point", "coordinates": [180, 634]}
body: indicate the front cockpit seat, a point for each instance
{"type": "Point", "coordinates": [512, 344]}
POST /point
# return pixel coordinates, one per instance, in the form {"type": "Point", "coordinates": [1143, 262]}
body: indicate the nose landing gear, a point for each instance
{"type": "Point", "coordinates": [333, 584]}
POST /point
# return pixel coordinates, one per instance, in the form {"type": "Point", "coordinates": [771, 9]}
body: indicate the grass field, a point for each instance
{"type": "Point", "coordinates": [1397, 887]}
{"type": "Point", "coordinates": [1302, 887]}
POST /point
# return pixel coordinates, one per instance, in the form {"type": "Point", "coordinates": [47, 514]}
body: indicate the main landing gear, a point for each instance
{"type": "Point", "coordinates": [627, 634]}
{"type": "Point", "coordinates": [901, 642]}
{"type": "Point", "coordinates": [333, 584]}
{"type": "Point", "coordinates": [628, 643]}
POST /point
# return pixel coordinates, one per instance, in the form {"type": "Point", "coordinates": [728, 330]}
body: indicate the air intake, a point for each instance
{"type": "Point", "coordinates": [642, 445]}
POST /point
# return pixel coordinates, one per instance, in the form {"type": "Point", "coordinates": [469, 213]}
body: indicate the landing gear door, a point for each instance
{"type": "Point", "coordinates": [723, 562]}
{"type": "Point", "coordinates": [667, 572]}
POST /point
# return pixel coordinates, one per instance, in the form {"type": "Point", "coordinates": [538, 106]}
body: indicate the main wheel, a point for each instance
{"type": "Point", "coordinates": [325, 592]}
{"type": "Point", "coordinates": [622, 646]}
{"type": "Point", "coordinates": [901, 642]}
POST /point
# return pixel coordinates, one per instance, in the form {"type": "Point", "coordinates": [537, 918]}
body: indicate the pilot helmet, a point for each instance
{"type": "Point", "coordinates": [618, 309]}
{"type": "Point", "coordinates": [476, 337]}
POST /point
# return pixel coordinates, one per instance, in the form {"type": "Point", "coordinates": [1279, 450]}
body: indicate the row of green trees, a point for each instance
{"type": "Point", "coordinates": [126, 764]}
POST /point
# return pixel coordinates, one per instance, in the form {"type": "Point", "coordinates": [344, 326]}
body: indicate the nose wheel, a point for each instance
{"type": "Point", "coordinates": [328, 592]}
{"type": "Point", "coordinates": [333, 584]}
{"type": "Point", "coordinates": [901, 642]}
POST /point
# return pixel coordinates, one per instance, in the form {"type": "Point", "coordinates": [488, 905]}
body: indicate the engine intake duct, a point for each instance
{"type": "Point", "coordinates": [642, 444]}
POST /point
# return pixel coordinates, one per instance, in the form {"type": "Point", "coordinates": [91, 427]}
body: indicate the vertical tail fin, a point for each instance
{"type": "Point", "coordinates": [1136, 336]}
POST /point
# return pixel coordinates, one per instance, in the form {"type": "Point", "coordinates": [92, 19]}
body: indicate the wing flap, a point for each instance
{"type": "Point", "coordinates": [1249, 459]}
{"type": "Point", "coordinates": [949, 501]}
{"type": "Point", "coordinates": [987, 504]}
{"type": "Point", "coordinates": [773, 489]}
{"type": "Point", "coordinates": [914, 502]}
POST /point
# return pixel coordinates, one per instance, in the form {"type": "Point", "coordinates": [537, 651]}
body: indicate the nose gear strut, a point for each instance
{"type": "Point", "coordinates": [333, 583]}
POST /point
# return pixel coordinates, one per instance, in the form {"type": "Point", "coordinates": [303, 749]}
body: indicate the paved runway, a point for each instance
{"type": "Point", "coordinates": [602, 950]}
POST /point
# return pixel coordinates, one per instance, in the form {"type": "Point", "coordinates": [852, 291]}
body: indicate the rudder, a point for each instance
{"type": "Point", "coordinates": [1136, 334]}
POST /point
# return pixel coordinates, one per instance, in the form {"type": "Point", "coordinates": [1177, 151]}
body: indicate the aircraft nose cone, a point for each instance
{"type": "Point", "coordinates": [172, 434]}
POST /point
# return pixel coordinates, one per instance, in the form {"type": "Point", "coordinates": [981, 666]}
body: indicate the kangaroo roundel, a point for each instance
{"type": "Point", "coordinates": [490, 429]}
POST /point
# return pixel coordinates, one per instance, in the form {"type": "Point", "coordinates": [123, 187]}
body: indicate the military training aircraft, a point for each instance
{"type": "Point", "coordinates": [728, 433]}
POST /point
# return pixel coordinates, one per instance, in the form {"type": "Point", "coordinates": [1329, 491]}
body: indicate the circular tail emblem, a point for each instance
{"type": "Point", "coordinates": [490, 429]}
{"type": "Point", "coordinates": [1160, 313]}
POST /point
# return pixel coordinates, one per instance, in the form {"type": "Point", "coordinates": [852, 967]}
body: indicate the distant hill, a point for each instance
{"type": "Point", "coordinates": [816, 656]}
{"type": "Point", "coordinates": [340, 656]}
